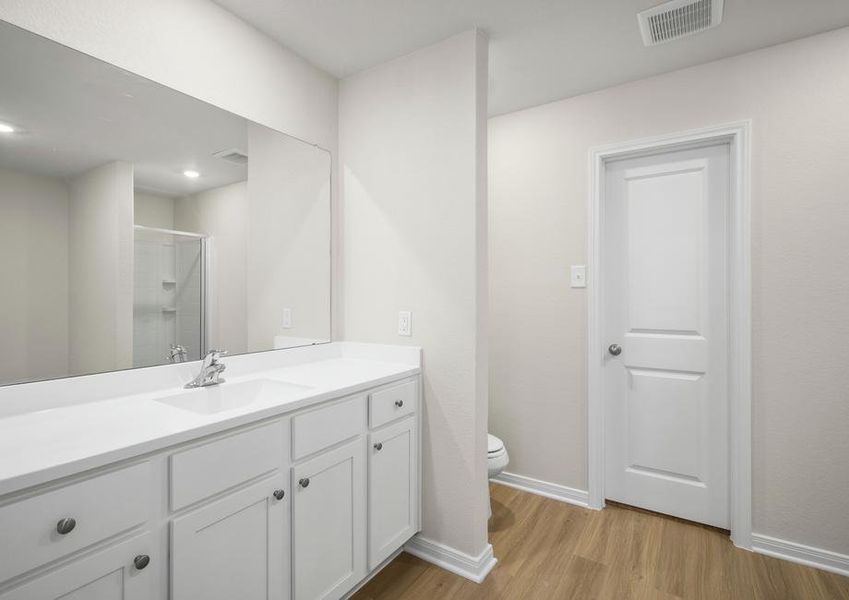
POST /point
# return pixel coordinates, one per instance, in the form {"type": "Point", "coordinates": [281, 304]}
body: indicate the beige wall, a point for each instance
{"type": "Point", "coordinates": [410, 139]}
{"type": "Point", "coordinates": [288, 242]}
{"type": "Point", "coordinates": [797, 96]}
{"type": "Point", "coordinates": [33, 277]}
{"type": "Point", "coordinates": [222, 213]}
{"type": "Point", "coordinates": [152, 210]}
{"type": "Point", "coordinates": [100, 274]}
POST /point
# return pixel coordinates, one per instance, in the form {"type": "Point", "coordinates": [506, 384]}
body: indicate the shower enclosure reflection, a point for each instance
{"type": "Point", "coordinates": [169, 296]}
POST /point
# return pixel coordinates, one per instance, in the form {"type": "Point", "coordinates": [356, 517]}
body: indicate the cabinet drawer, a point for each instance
{"type": "Point", "coordinates": [101, 507]}
{"type": "Point", "coordinates": [321, 428]}
{"type": "Point", "coordinates": [108, 573]}
{"type": "Point", "coordinates": [392, 403]}
{"type": "Point", "coordinates": [200, 472]}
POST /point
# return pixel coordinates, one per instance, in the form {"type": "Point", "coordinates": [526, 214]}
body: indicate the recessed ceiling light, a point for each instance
{"type": "Point", "coordinates": [191, 174]}
{"type": "Point", "coordinates": [5, 128]}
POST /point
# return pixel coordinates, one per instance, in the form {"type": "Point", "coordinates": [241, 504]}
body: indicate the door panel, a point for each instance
{"type": "Point", "coordinates": [666, 252]}
{"type": "Point", "coordinates": [665, 302]}
{"type": "Point", "coordinates": [663, 421]}
{"type": "Point", "coordinates": [393, 489]}
{"type": "Point", "coordinates": [233, 548]}
{"type": "Point", "coordinates": [328, 523]}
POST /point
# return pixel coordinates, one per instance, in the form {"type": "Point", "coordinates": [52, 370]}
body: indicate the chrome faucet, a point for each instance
{"type": "Point", "coordinates": [177, 353]}
{"type": "Point", "coordinates": [210, 370]}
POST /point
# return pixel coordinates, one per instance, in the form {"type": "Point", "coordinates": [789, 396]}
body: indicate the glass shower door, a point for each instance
{"type": "Point", "coordinates": [169, 296]}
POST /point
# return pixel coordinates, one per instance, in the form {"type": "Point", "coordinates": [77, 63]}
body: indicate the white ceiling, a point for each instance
{"type": "Point", "coordinates": [541, 50]}
{"type": "Point", "coordinates": [76, 112]}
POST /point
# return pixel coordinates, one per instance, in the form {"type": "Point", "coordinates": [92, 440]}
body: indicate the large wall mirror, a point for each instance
{"type": "Point", "coordinates": [140, 226]}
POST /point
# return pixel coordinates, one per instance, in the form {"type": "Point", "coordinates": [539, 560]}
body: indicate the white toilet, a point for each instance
{"type": "Point", "coordinates": [496, 455]}
{"type": "Point", "coordinates": [496, 458]}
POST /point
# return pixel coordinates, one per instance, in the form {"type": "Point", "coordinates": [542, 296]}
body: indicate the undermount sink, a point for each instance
{"type": "Point", "coordinates": [230, 396]}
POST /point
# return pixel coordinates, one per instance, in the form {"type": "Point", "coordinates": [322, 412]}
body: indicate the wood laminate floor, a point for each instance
{"type": "Point", "coordinates": [548, 549]}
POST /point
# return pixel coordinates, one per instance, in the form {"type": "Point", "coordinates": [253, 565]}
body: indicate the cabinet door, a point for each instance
{"type": "Point", "coordinates": [110, 574]}
{"type": "Point", "coordinates": [328, 523]}
{"type": "Point", "coordinates": [393, 489]}
{"type": "Point", "coordinates": [234, 547]}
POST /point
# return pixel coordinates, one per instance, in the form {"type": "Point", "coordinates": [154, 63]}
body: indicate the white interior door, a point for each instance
{"type": "Point", "coordinates": [665, 324]}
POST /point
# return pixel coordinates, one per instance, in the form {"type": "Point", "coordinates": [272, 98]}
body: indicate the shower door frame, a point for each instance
{"type": "Point", "coordinates": [205, 275]}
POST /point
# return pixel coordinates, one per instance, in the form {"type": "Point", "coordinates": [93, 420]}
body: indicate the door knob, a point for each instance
{"type": "Point", "coordinates": [399, 403]}
{"type": "Point", "coordinates": [141, 561]}
{"type": "Point", "coordinates": [615, 349]}
{"type": "Point", "coordinates": [378, 446]}
{"type": "Point", "coordinates": [279, 494]}
{"type": "Point", "coordinates": [305, 482]}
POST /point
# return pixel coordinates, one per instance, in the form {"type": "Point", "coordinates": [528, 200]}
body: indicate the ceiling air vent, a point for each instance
{"type": "Point", "coordinates": [232, 155]}
{"type": "Point", "coordinates": [678, 18]}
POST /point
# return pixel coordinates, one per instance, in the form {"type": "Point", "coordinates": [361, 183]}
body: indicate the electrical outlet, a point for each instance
{"type": "Point", "coordinates": [405, 323]}
{"type": "Point", "coordinates": [287, 318]}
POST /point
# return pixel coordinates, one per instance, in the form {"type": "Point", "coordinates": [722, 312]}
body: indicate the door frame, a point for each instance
{"type": "Point", "coordinates": [738, 135]}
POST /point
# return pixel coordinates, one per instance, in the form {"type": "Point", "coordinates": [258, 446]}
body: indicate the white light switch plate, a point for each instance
{"type": "Point", "coordinates": [579, 276]}
{"type": "Point", "coordinates": [405, 323]}
{"type": "Point", "coordinates": [287, 318]}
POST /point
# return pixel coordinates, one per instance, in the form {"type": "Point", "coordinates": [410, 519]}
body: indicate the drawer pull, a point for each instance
{"type": "Point", "coordinates": [305, 482]}
{"type": "Point", "coordinates": [141, 561]}
{"type": "Point", "coordinates": [279, 494]}
{"type": "Point", "coordinates": [66, 525]}
{"type": "Point", "coordinates": [399, 403]}
{"type": "Point", "coordinates": [378, 446]}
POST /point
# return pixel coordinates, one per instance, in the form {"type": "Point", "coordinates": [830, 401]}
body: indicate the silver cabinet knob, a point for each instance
{"type": "Point", "coordinates": [141, 561]}
{"type": "Point", "coordinates": [378, 446]}
{"type": "Point", "coordinates": [305, 482]}
{"type": "Point", "coordinates": [66, 525]}
{"type": "Point", "coordinates": [615, 349]}
{"type": "Point", "coordinates": [279, 494]}
{"type": "Point", "coordinates": [399, 403]}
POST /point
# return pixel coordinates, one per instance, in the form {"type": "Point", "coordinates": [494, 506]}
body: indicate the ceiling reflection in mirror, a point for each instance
{"type": "Point", "coordinates": [140, 226]}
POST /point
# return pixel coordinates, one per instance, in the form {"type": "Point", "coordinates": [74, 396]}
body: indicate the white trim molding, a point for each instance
{"type": "Point", "coordinates": [543, 488]}
{"type": "Point", "coordinates": [475, 568]}
{"type": "Point", "coordinates": [799, 553]}
{"type": "Point", "coordinates": [738, 135]}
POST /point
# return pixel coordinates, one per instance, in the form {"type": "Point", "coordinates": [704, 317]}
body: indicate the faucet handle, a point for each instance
{"type": "Point", "coordinates": [217, 353]}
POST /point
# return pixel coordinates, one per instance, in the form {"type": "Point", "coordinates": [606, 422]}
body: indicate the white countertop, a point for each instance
{"type": "Point", "coordinates": [44, 445]}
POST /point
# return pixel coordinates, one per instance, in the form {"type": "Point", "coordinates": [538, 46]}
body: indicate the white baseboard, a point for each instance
{"type": "Point", "coordinates": [544, 488]}
{"type": "Point", "coordinates": [475, 568]}
{"type": "Point", "coordinates": [799, 553]}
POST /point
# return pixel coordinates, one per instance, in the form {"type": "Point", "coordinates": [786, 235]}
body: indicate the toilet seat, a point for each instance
{"type": "Point", "coordinates": [494, 445]}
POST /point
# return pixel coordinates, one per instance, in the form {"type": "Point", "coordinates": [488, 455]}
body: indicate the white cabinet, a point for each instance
{"type": "Point", "coordinates": [120, 572]}
{"type": "Point", "coordinates": [204, 518]}
{"type": "Point", "coordinates": [393, 489]}
{"type": "Point", "coordinates": [329, 522]}
{"type": "Point", "coordinates": [235, 547]}
{"type": "Point", "coordinates": [59, 522]}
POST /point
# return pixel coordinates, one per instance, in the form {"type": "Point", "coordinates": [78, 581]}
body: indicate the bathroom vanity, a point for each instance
{"type": "Point", "coordinates": [142, 228]}
{"type": "Point", "coordinates": [297, 477]}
